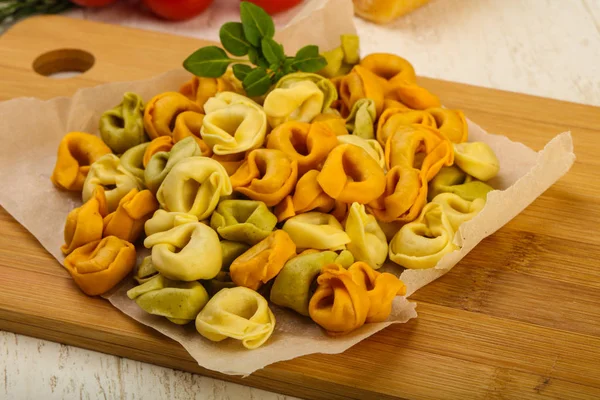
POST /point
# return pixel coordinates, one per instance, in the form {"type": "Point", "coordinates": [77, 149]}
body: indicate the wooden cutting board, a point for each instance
{"type": "Point", "coordinates": [519, 317]}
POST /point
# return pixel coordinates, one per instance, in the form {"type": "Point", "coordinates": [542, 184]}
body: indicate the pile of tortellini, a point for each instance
{"type": "Point", "coordinates": [298, 197]}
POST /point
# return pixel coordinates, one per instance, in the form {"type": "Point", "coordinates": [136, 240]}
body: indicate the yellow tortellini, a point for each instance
{"type": "Point", "coordinates": [371, 146]}
{"type": "Point", "coordinates": [239, 313]}
{"type": "Point", "coordinates": [186, 252]}
{"type": "Point", "coordinates": [108, 172]}
{"type": "Point", "coordinates": [457, 209]}
{"type": "Point", "coordinates": [162, 221]}
{"type": "Point", "coordinates": [133, 161]}
{"type": "Point", "coordinates": [368, 242]}
{"type": "Point", "coordinates": [194, 186]}
{"type": "Point", "coordinates": [233, 124]}
{"type": "Point", "coordinates": [179, 302]}
{"type": "Point", "coordinates": [477, 159]}
{"type": "Point", "coordinates": [316, 230]}
{"type": "Point", "coordinates": [422, 243]}
{"type": "Point", "coordinates": [245, 221]}
{"type": "Point", "coordinates": [453, 180]}
{"type": "Point", "coordinates": [361, 120]}
{"type": "Point", "coordinates": [122, 127]}
{"type": "Point", "coordinates": [162, 162]}
{"type": "Point", "coordinates": [299, 101]}
{"type": "Point", "coordinates": [292, 286]}
{"type": "Point", "coordinates": [326, 86]}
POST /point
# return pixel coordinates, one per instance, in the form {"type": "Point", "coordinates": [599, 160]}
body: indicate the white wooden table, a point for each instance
{"type": "Point", "coordinates": [546, 48]}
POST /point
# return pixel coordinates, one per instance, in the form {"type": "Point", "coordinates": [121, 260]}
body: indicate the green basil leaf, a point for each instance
{"type": "Point", "coordinates": [308, 59]}
{"type": "Point", "coordinates": [233, 39]}
{"type": "Point", "coordinates": [288, 67]}
{"type": "Point", "coordinates": [257, 58]}
{"type": "Point", "coordinates": [241, 70]}
{"type": "Point", "coordinates": [278, 75]}
{"type": "Point", "coordinates": [209, 62]}
{"type": "Point", "coordinates": [256, 22]}
{"type": "Point", "coordinates": [257, 82]}
{"type": "Point", "coordinates": [272, 51]}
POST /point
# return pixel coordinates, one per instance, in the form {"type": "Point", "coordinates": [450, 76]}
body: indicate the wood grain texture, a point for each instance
{"type": "Point", "coordinates": [517, 318]}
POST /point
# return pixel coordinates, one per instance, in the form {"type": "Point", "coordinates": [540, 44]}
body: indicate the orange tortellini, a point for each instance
{"type": "Point", "coordinates": [381, 288]}
{"type": "Point", "coordinates": [350, 175]}
{"type": "Point", "coordinates": [307, 144]}
{"type": "Point", "coordinates": [267, 175]}
{"type": "Point", "coordinates": [98, 266]}
{"type": "Point", "coordinates": [360, 83]}
{"type": "Point", "coordinates": [308, 196]}
{"type": "Point", "coordinates": [263, 261]}
{"type": "Point", "coordinates": [127, 221]}
{"type": "Point", "coordinates": [399, 81]}
{"type": "Point", "coordinates": [189, 123]}
{"type": "Point", "coordinates": [339, 305]}
{"type": "Point", "coordinates": [397, 119]}
{"type": "Point", "coordinates": [158, 145]}
{"type": "Point", "coordinates": [76, 152]}
{"type": "Point", "coordinates": [161, 111]}
{"type": "Point", "coordinates": [200, 89]}
{"type": "Point", "coordinates": [85, 224]}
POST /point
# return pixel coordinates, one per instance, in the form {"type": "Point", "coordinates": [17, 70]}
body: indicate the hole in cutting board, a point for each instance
{"type": "Point", "coordinates": [63, 63]}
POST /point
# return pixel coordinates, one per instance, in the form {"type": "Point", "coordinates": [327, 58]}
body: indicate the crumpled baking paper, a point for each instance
{"type": "Point", "coordinates": [31, 130]}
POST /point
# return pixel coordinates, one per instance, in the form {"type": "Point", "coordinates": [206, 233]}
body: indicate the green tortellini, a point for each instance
{"type": "Point", "coordinates": [133, 161]}
{"type": "Point", "coordinates": [316, 230]}
{"type": "Point", "coordinates": [245, 221]}
{"type": "Point", "coordinates": [108, 172]}
{"type": "Point", "coordinates": [345, 258]}
{"type": "Point", "coordinates": [368, 242]}
{"type": "Point", "coordinates": [453, 180]}
{"type": "Point", "coordinates": [457, 209]}
{"type": "Point", "coordinates": [122, 127]}
{"type": "Point", "coordinates": [341, 59]}
{"type": "Point", "coordinates": [221, 281]}
{"type": "Point", "coordinates": [371, 146]}
{"type": "Point", "coordinates": [194, 186]}
{"type": "Point", "coordinates": [324, 84]}
{"type": "Point", "coordinates": [163, 220]}
{"type": "Point", "coordinates": [239, 313]}
{"type": "Point", "coordinates": [179, 302]}
{"type": "Point", "coordinates": [145, 271]}
{"type": "Point", "coordinates": [186, 252]}
{"type": "Point", "coordinates": [233, 124]}
{"type": "Point", "coordinates": [231, 251]}
{"type": "Point", "coordinates": [362, 118]}
{"type": "Point", "coordinates": [298, 101]}
{"type": "Point", "coordinates": [162, 162]}
{"type": "Point", "coordinates": [420, 244]}
{"type": "Point", "coordinates": [476, 159]}
{"type": "Point", "coordinates": [293, 285]}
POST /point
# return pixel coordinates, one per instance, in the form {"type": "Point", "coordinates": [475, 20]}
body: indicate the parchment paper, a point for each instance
{"type": "Point", "coordinates": [31, 130]}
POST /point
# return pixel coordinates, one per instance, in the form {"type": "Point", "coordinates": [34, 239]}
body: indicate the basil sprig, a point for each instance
{"type": "Point", "coordinates": [253, 37]}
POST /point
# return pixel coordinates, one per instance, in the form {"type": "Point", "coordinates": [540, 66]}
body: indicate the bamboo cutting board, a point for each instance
{"type": "Point", "coordinates": [519, 317]}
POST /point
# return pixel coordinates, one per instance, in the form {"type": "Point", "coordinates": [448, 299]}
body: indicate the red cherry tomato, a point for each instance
{"type": "Point", "coordinates": [177, 10]}
{"type": "Point", "coordinates": [275, 6]}
{"type": "Point", "coordinates": [93, 3]}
